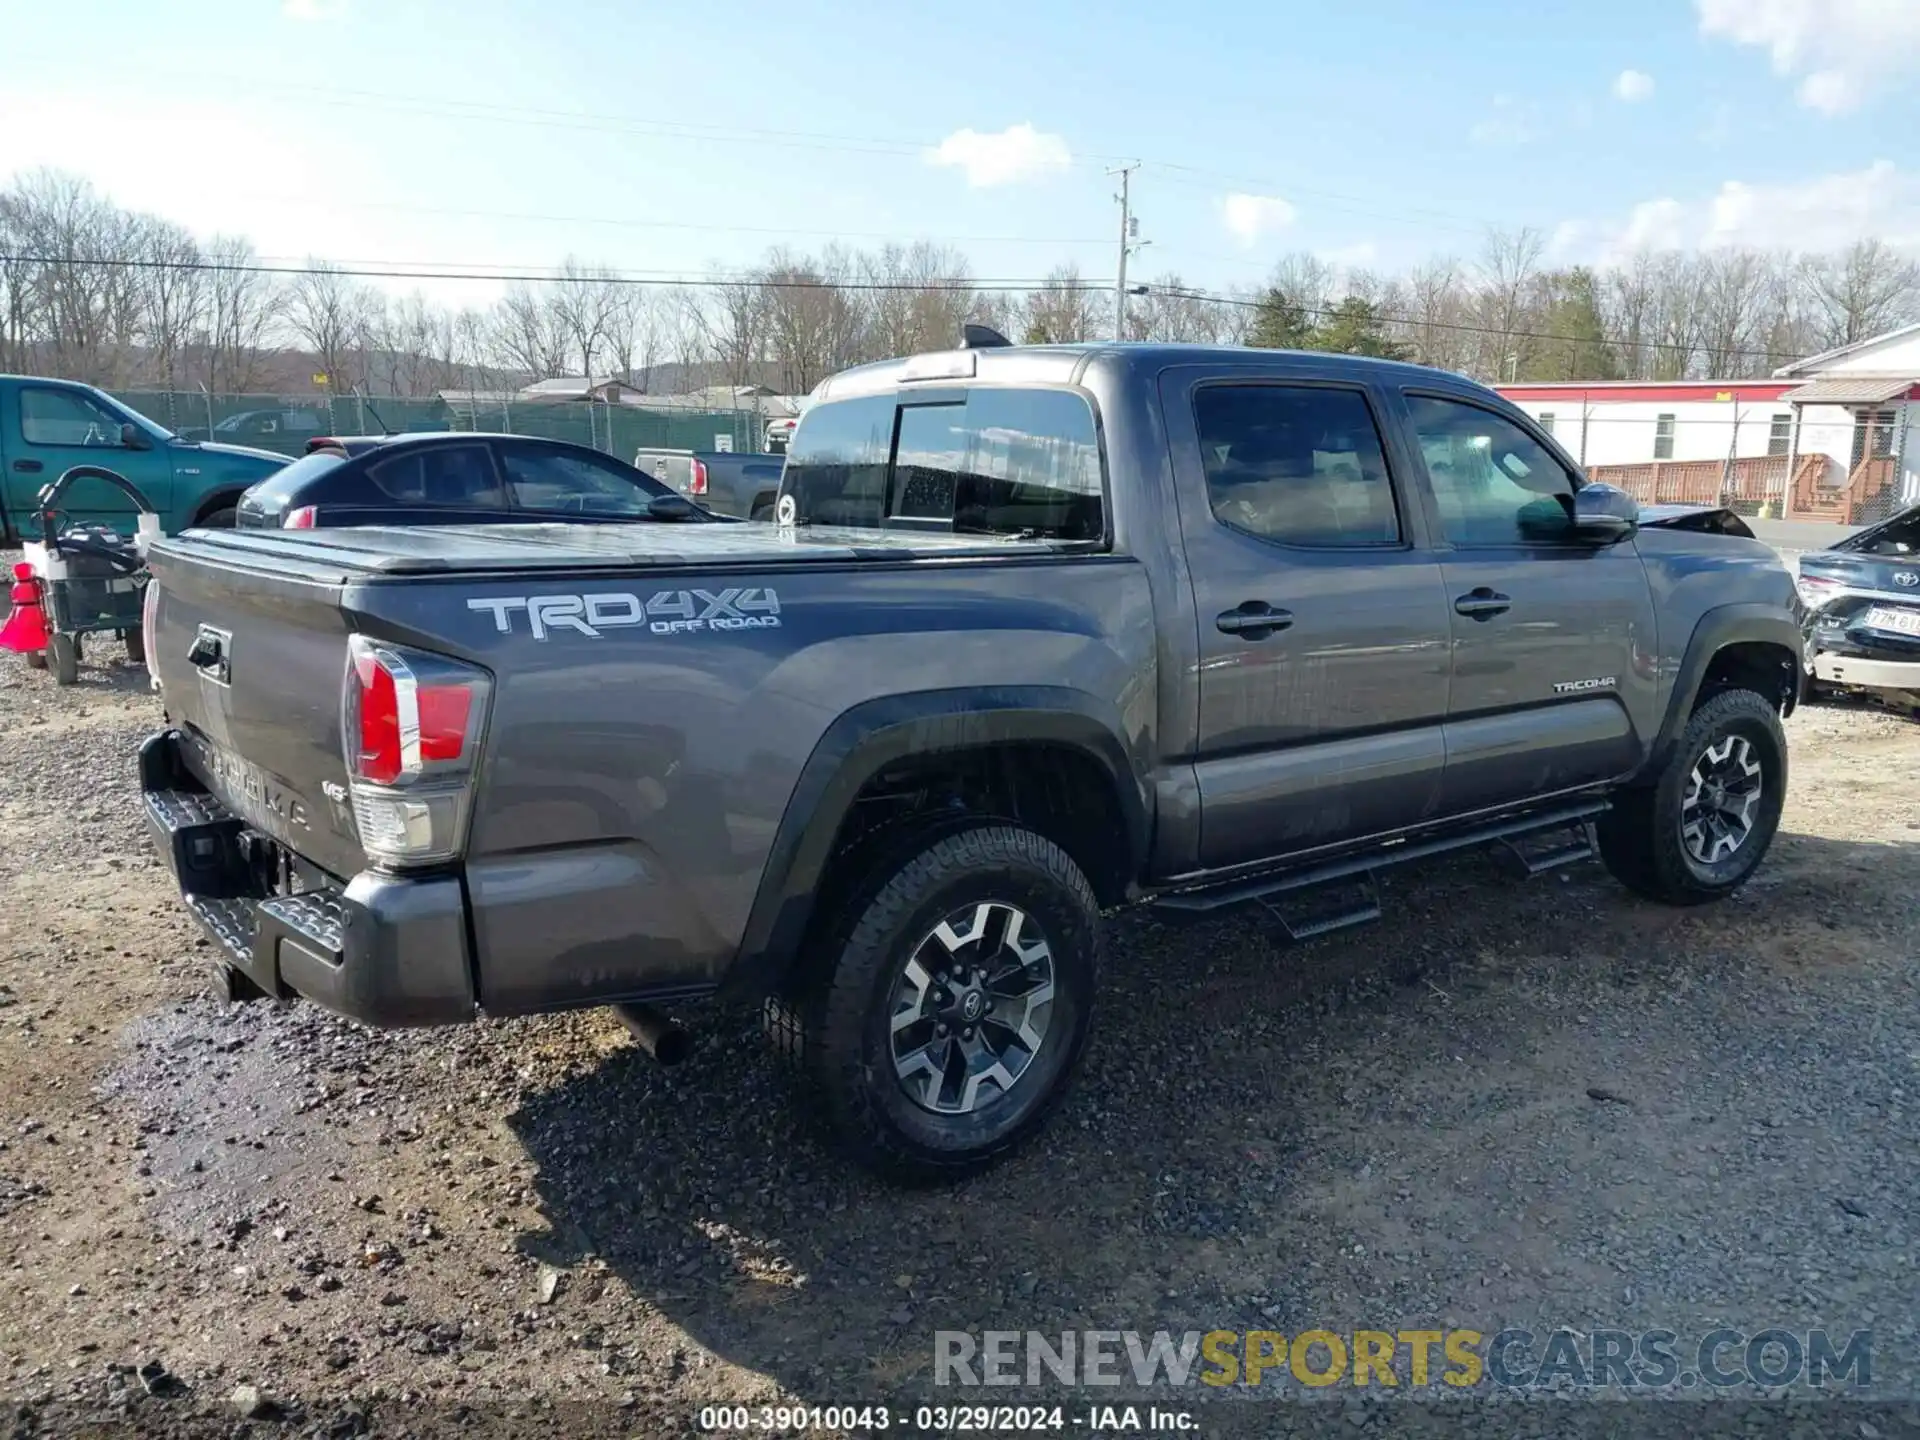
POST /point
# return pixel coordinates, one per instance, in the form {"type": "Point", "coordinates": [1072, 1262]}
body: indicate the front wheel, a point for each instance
{"type": "Point", "coordinates": [954, 1002]}
{"type": "Point", "coordinates": [1705, 824]}
{"type": "Point", "coordinates": [221, 519]}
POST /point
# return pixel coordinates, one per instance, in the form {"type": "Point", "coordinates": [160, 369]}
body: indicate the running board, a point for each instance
{"type": "Point", "coordinates": [1579, 843]}
{"type": "Point", "coordinates": [1355, 902]}
{"type": "Point", "coordinates": [1578, 815]}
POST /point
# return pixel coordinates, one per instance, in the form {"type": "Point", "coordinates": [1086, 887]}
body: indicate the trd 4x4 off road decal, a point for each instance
{"type": "Point", "coordinates": [665, 612]}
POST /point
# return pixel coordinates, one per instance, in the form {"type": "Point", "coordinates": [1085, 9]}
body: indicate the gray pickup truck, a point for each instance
{"type": "Point", "coordinates": [741, 485]}
{"type": "Point", "coordinates": [1039, 632]}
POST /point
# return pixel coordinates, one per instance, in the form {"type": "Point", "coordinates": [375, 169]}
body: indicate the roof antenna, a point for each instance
{"type": "Point", "coordinates": [982, 337]}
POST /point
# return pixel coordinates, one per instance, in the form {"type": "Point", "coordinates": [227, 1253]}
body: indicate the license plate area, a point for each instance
{"type": "Point", "coordinates": [1892, 621]}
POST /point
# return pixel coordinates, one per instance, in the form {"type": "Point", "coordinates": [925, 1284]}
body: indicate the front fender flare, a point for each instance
{"type": "Point", "coordinates": [870, 736]}
{"type": "Point", "coordinates": [1745, 622]}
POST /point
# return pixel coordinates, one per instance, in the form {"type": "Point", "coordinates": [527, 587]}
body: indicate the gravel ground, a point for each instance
{"type": "Point", "coordinates": [1538, 1103]}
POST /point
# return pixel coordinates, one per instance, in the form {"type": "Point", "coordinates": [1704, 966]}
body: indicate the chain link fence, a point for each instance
{"type": "Point", "coordinates": [1847, 465]}
{"type": "Point", "coordinates": [285, 423]}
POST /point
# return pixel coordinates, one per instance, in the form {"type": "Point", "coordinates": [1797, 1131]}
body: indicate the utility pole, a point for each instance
{"type": "Point", "coordinates": [1129, 228]}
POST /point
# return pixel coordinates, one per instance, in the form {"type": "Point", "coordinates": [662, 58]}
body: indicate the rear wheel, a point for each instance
{"type": "Point", "coordinates": [953, 1003]}
{"type": "Point", "coordinates": [1706, 823]}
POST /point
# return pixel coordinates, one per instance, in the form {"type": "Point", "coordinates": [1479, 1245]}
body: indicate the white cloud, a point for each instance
{"type": "Point", "coordinates": [1842, 50]}
{"type": "Point", "coordinates": [1251, 218]}
{"type": "Point", "coordinates": [1016, 153]}
{"type": "Point", "coordinates": [1509, 123]}
{"type": "Point", "coordinates": [1825, 212]}
{"type": "Point", "coordinates": [1633, 86]}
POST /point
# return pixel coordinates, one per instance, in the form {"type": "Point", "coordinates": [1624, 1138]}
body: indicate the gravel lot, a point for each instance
{"type": "Point", "coordinates": [1511, 1103]}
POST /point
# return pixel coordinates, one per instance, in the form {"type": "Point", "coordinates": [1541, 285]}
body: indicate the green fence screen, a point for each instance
{"type": "Point", "coordinates": [286, 422]}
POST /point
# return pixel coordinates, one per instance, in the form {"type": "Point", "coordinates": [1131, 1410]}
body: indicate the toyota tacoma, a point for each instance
{"type": "Point", "coordinates": [1038, 633]}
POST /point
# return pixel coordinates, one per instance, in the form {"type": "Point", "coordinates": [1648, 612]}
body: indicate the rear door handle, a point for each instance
{"type": "Point", "coordinates": [1253, 620]}
{"type": "Point", "coordinates": [27, 467]}
{"type": "Point", "coordinates": [1480, 603]}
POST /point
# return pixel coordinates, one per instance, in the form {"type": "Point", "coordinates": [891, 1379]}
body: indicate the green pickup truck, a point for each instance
{"type": "Point", "coordinates": [49, 426]}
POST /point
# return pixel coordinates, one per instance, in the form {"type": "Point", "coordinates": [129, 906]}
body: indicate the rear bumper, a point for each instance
{"type": "Point", "coordinates": [385, 950]}
{"type": "Point", "coordinates": [1839, 669]}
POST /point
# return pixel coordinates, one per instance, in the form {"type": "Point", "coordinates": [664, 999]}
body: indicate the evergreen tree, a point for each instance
{"type": "Point", "coordinates": [1356, 328]}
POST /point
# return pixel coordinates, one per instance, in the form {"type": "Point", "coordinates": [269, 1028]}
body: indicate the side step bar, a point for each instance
{"type": "Point", "coordinates": [1501, 833]}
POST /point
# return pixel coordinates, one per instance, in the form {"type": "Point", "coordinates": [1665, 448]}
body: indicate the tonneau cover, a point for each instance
{"type": "Point", "coordinates": [381, 550]}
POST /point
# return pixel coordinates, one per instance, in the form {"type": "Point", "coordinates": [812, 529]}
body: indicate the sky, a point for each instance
{"type": "Point", "coordinates": [670, 138]}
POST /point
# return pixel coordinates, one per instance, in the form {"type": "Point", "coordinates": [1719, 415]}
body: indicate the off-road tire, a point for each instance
{"type": "Point", "coordinates": [63, 658]}
{"type": "Point", "coordinates": [1640, 837]}
{"type": "Point", "coordinates": [833, 1023]}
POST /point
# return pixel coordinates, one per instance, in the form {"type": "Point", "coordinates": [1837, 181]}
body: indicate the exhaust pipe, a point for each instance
{"type": "Point", "coordinates": [665, 1041]}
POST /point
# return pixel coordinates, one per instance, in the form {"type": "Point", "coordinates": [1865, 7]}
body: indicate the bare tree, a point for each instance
{"type": "Point", "coordinates": [1508, 264]}
{"type": "Point", "coordinates": [173, 298]}
{"type": "Point", "coordinates": [334, 316]}
{"type": "Point", "coordinates": [528, 335]}
{"type": "Point", "coordinates": [1438, 312]}
{"type": "Point", "coordinates": [1734, 285]}
{"type": "Point", "coordinates": [1064, 309]}
{"type": "Point", "coordinates": [585, 302]}
{"type": "Point", "coordinates": [243, 306]}
{"type": "Point", "coordinates": [1864, 290]}
{"type": "Point", "coordinates": [727, 325]}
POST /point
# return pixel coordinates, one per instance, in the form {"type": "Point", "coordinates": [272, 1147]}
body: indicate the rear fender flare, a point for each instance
{"type": "Point", "coordinates": [870, 736]}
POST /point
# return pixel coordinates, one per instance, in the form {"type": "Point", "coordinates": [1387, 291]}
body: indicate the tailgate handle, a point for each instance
{"type": "Point", "coordinates": [208, 654]}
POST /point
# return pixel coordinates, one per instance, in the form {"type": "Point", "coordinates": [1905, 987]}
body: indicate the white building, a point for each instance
{"type": "Point", "coordinates": [1835, 436]}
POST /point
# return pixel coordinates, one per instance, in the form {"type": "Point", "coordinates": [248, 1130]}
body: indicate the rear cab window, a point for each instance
{"type": "Point", "coordinates": [986, 460]}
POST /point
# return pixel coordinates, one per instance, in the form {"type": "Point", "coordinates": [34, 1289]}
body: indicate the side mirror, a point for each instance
{"type": "Point", "coordinates": [1604, 514]}
{"type": "Point", "coordinates": [134, 438]}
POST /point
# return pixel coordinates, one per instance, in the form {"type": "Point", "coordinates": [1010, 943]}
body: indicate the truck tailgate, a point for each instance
{"type": "Point", "coordinates": [251, 663]}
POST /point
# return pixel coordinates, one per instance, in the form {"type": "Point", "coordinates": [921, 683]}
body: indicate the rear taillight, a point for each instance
{"type": "Point", "coordinates": [1816, 590]}
{"type": "Point", "coordinates": [698, 484]}
{"type": "Point", "coordinates": [301, 518]}
{"type": "Point", "coordinates": [149, 612]}
{"type": "Point", "coordinates": [411, 727]}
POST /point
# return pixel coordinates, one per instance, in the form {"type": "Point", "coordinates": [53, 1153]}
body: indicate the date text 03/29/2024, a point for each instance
{"type": "Point", "coordinates": [945, 1419]}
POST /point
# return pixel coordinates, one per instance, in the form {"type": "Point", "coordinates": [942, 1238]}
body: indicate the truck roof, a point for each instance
{"type": "Point", "coordinates": [1069, 364]}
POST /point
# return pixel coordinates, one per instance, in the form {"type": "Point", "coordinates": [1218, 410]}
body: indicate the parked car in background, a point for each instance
{"type": "Point", "coordinates": [718, 480]}
{"type": "Point", "coordinates": [780, 434]}
{"type": "Point", "coordinates": [455, 479]}
{"type": "Point", "coordinates": [278, 426]}
{"type": "Point", "coordinates": [49, 426]}
{"type": "Point", "coordinates": [1863, 599]}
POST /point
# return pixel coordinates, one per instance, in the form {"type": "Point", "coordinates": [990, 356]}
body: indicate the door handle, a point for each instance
{"type": "Point", "coordinates": [27, 467]}
{"type": "Point", "coordinates": [1480, 603]}
{"type": "Point", "coordinates": [1252, 620]}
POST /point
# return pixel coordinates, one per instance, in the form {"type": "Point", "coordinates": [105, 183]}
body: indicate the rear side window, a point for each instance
{"type": "Point", "coordinates": [837, 465]}
{"type": "Point", "coordinates": [1297, 464]}
{"type": "Point", "coordinates": [450, 475]}
{"type": "Point", "coordinates": [997, 462]}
